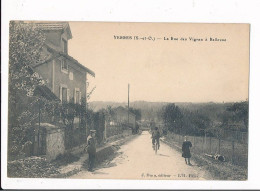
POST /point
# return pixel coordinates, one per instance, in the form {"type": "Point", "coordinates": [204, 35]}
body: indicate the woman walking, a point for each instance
{"type": "Point", "coordinates": [186, 150]}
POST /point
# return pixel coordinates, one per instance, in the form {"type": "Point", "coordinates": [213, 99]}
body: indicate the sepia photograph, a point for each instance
{"type": "Point", "coordinates": [128, 101]}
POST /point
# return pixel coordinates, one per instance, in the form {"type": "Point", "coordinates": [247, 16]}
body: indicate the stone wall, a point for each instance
{"type": "Point", "coordinates": [54, 141]}
{"type": "Point", "coordinates": [123, 134]}
{"type": "Point", "coordinates": [127, 132]}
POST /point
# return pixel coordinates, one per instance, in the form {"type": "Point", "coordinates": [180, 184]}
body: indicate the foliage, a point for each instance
{"type": "Point", "coordinates": [182, 121]}
{"type": "Point", "coordinates": [195, 123]}
{"type": "Point", "coordinates": [109, 113]}
{"type": "Point", "coordinates": [99, 125]}
{"type": "Point", "coordinates": [96, 121]}
{"type": "Point", "coordinates": [25, 44]}
{"type": "Point", "coordinates": [240, 112]}
{"type": "Point", "coordinates": [172, 118]}
{"type": "Point", "coordinates": [137, 113]}
{"type": "Point", "coordinates": [91, 91]}
{"type": "Point", "coordinates": [191, 121]}
{"type": "Point", "coordinates": [65, 159]}
{"type": "Point", "coordinates": [33, 167]}
{"type": "Point", "coordinates": [235, 114]}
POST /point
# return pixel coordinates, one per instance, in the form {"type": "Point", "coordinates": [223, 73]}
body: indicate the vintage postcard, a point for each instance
{"type": "Point", "coordinates": [128, 101]}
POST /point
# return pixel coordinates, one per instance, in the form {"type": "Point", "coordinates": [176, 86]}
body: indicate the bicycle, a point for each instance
{"type": "Point", "coordinates": [156, 146]}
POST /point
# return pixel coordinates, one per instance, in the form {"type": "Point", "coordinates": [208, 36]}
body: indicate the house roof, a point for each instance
{"type": "Point", "coordinates": [55, 26]}
{"type": "Point", "coordinates": [120, 108]}
{"type": "Point", "coordinates": [45, 92]}
{"type": "Point", "coordinates": [75, 61]}
{"type": "Point", "coordinates": [58, 54]}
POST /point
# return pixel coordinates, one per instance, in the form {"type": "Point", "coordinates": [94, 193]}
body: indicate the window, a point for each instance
{"type": "Point", "coordinates": [65, 46]}
{"type": "Point", "coordinates": [64, 65]}
{"type": "Point", "coordinates": [64, 93]}
{"type": "Point", "coordinates": [77, 96]}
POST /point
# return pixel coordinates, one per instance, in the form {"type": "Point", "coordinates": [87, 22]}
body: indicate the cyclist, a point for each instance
{"type": "Point", "coordinates": [156, 137]}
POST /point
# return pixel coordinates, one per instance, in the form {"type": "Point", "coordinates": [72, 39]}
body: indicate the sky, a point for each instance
{"type": "Point", "coordinates": [162, 70]}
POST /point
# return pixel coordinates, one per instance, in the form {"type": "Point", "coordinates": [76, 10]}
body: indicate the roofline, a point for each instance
{"type": "Point", "coordinates": [79, 64]}
{"type": "Point", "coordinates": [52, 97]}
{"type": "Point", "coordinates": [58, 53]}
{"type": "Point", "coordinates": [65, 27]}
{"type": "Point", "coordinates": [130, 113]}
{"type": "Point", "coordinates": [69, 31]}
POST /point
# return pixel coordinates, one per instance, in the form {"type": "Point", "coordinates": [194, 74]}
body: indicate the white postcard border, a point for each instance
{"type": "Point", "coordinates": [208, 11]}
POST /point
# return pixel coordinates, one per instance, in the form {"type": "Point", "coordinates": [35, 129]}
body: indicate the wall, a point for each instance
{"type": "Point", "coordinates": [79, 77]}
{"type": "Point", "coordinates": [54, 141]}
{"type": "Point", "coordinates": [54, 38]}
{"type": "Point", "coordinates": [79, 80]}
{"type": "Point", "coordinates": [45, 71]}
{"type": "Point", "coordinates": [113, 130]}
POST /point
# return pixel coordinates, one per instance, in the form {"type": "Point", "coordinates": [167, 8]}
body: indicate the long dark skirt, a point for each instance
{"type": "Point", "coordinates": [186, 154]}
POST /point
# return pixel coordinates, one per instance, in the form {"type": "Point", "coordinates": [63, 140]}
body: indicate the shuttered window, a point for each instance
{"type": "Point", "coordinates": [64, 94]}
{"type": "Point", "coordinates": [77, 96]}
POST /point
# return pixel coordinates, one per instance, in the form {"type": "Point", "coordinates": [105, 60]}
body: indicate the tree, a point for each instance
{"type": "Point", "coordinates": [235, 113]}
{"type": "Point", "coordinates": [240, 110]}
{"type": "Point", "coordinates": [172, 118]}
{"type": "Point", "coordinates": [25, 45]}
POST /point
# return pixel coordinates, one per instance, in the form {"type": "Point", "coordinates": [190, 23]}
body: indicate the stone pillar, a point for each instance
{"type": "Point", "coordinates": [55, 139]}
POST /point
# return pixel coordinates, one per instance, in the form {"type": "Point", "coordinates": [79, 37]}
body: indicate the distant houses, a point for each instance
{"type": "Point", "coordinates": [123, 116]}
{"type": "Point", "coordinates": [118, 121]}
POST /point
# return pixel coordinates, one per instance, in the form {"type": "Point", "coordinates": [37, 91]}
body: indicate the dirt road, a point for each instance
{"type": "Point", "coordinates": [137, 160]}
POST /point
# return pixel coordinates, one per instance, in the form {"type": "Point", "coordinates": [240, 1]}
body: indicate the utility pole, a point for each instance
{"type": "Point", "coordinates": [128, 103]}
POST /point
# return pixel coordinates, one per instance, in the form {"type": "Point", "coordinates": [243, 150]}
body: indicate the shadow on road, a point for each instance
{"type": "Point", "coordinates": [163, 155]}
{"type": "Point", "coordinates": [195, 165]}
{"type": "Point", "coordinates": [107, 165]}
{"type": "Point", "coordinates": [99, 172]}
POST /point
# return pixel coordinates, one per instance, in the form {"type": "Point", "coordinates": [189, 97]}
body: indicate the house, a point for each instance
{"type": "Point", "coordinates": [66, 79]}
{"type": "Point", "coordinates": [65, 76]}
{"type": "Point", "coordinates": [117, 122]}
{"type": "Point", "coordinates": [121, 115]}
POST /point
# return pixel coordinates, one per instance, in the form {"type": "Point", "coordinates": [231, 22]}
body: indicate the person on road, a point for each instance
{"type": "Point", "coordinates": [91, 150]}
{"type": "Point", "coordinates": [136, 128]}
{"type": "Point", "coordinates": [156, 137]}
{"type": "Point", "coordinates": [186, 150]}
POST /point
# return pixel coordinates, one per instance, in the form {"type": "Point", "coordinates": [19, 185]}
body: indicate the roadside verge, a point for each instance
{"type": "Point", "coordinates": [102, 154]}
{"type": "Point", "coordinates": [218, 170]}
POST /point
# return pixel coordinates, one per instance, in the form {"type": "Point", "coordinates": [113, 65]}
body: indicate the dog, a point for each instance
{"type": "Point", "coordinates": [217, 157]}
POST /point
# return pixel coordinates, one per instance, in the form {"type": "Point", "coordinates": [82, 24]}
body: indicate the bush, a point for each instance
{"type": "Point", "coordinates": [64, 159]}
{"type": "Point", "coordinates": [33, 167]}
